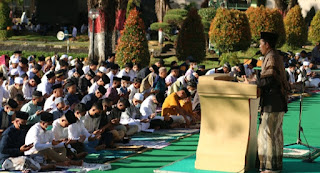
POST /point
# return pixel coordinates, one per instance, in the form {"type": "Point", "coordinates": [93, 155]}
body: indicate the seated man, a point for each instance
{"type": "Point", "coordinates": [123, 90]}
{"type": "Point", "coordinates": [60, 108]}
{"type": "Point", "coordinates": [33, 109]}
{"type": "Point", "coordinates": [112, 92]}
{"type": "Point", "coordinates": [42, 138]}
{"type": "Point", "coordinates": [92, 123]}
{"type": "Point", "coordinates": [92, 98]}
{"type": "Point", "coordinates": [173, 109]}
{"type": "Point", "coordinates": [7, 114]}
{"type": "Point", "coordinates": [16, 88]}
{"type": "Point", "coordinates": [45, 87]}
{"type": "Point", "coordinates": [77, 131]}
{"type": "Point", "coordinates": [12, 141]}
{"type": "Point", "coordinates": [104, 80]}
{"type": "Point", "coordinates": [133, 117]}
{"type": "Point", "coordinates": [71, 98]}
{"type": "Point", "coordinates": [134, 87]}
{"type": "Point", "coordinates": [148, 111]}
{"type": "Point", "coordinates": [57, 92]}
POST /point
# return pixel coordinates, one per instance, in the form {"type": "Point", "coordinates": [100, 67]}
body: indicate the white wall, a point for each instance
{"type": "Point", "coordinates": [305, 5]}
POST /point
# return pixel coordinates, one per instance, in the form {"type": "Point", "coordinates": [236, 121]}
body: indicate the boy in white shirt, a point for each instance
{"type": "Point", "coordinates": [134, 88]}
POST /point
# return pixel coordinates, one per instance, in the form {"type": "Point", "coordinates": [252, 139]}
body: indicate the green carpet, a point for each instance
{"type": "Point", "coordinates": [151, 160]}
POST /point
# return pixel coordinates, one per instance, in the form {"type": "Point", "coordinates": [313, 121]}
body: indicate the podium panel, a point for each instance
{"type": "Point", "coordinates": [228, 133]}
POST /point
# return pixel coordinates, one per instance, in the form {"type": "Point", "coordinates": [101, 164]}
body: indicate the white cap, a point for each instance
{"type": "Point", "coordinates": [297, 54]}
{"type": "Point", "coordinates": [64, 56]}
{"type": "Point", "coordinates": [18, 80]}
{"type": "Point", "coordinates": [14, 72]}
{"type": "Point", "coordinates": [15, 61]}
{"type": "Point", "coordinates": [138, 96]}
{"type": "Point", "coordinates": [70, 58]}
{"type": "Point", "coordinates": [73, 62]}
{"type": "Point", "coordinates": [103, 69]}
{"type": "Point", "coordinates": [306, 63]}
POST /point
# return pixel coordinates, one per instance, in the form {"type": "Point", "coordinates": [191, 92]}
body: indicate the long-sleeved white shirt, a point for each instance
{"type": "Point", "coordinates": [59, 132]}
{"type": "Point", "coordinates": [49, 104]}
{"type": "Point", "coordinates": [28, 90]}
{"type": "Point", "coordinates": [41, 139]}
{"type": "Point", "coordinates": [148, 107]}
{"type": "Point", "coordinates": [77, 129]}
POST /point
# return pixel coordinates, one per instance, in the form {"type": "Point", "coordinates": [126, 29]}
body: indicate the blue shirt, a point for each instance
{"type": "Point", "coordinates": [71, 99]}
{"type": "Point", "coordinates": [89, 100]}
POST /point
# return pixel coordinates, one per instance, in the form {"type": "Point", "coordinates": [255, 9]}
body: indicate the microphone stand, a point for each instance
{"type": "Point", "coordinates": [300, 129]}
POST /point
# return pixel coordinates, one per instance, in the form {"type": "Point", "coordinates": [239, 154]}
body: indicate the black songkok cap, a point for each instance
{"type": "Point", "coordinates": [102, 90]}
{"type": "Point", "coordinates": [55, 86]}
{"type": "Point", "coordinates": [37, 66]}
{"type": "Point", "coordinates": [12, 103]}
{"type": "Point", "coordinates": [24, 61]}
{"type": "Point", "coordinates": [105, 79]}
{"type": "Point", "coordinates": [18, 51]}
{"type": "Point", "coordinates": [91, 73]}
{"type": "Point", "coordinates": [37, 79]}
{"type": "Point", "coordinates": [126, 78]}
{"type": "Point", "coordinates": [22, 115]}
{"type": "Point", "coordinates": [70, 117]}
{"type": "Point", "coordinates": [46, 117]}
{"type": "Point", "coordinates": [69, 84]}
{"type": "Point", "coordinates": [269, 37]}
{"type": "Point", "coordinates": [50, 75]}
{"type": "Point", "coordinates": [42, 58]}
{"type": "Point", "coordinates": [37, 94]}
{"type": "Point", "coordinates": [115, 67]}
{"type": "Point", "coordinates": [116, 78]}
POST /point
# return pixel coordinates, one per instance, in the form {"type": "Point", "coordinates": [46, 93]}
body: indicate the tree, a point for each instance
{"type": "Point", "coordinates": [314, 30]}
{"type": "Point", "coordinates": [104, 28]}
{"type": "Point", "coordinates": [191, 39]}
{"type": "Point", "coordinates": [285, 5]}
{"type": "Point", "coordinates": [133, 44]}
{"type": "Point", "coordinates": [263, 19]}
{"type": "Point", "coordinates": [230, 31]}
{"type": "Point", "coordinates": [296, 29]}
{"type": "Point", "coordinates": [4, 20]}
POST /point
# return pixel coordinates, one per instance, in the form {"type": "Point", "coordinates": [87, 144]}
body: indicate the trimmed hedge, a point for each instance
{"type": "Point", "coordinates": [158, 25]}
{"type": "Point", "coordinates": [263, 19]}
{"type": "Point", "coordinates": [180, 12]}
{"type": "Point", "coordinates": [314, 30]}
{"type": "Point", "coordinates": [133, 44]}
{"type": "Point", "coordinates": [191, 38]}
{"type": "Point", "coordinates": [230, 30]}
{"type": "Point", "coordinates": [4, 20]}
{"type": "Point", "coordinates": [296, 28]}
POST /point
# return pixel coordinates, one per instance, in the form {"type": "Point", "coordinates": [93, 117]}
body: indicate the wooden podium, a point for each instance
{"type": "Point", "coordinates": [228, 134]}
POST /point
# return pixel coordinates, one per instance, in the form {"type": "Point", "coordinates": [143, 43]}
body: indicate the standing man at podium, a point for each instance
{"type": "Point", "coordinates": [274, 86]}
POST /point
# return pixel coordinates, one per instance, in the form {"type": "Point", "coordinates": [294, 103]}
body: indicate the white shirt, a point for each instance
{"type": "Point", "coordinates": [77, 129]}
{"type": "Point", "coordinates": [133, 91]}
{"type": "Point", "coordinates": [291, 76]}
{"type": "Point", "coordinates": [86, 69]}
{"type": "Point", "coordinates": [49, 104]}
{"type": "Point", "coordinates": [122, 72]}
{"type": "Point", "coordinates": [93, 88]}
{"type": "Point", "coordinates": [59, 132]}
{"type": "Point", "coordinates": [110, 75]}
{"type": "Point", "coordinates": [28, 90]}
{"type": "Point", "coordinates": [45, 88]}
{"type": "Point", "coordinates": [148, 107]}
{"type": "Point", "coordinates": [41, 139]}
{"type": "Point", "coordinates": [210, 72]}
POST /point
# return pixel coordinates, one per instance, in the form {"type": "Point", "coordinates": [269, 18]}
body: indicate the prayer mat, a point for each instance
{"type": "Point", "coordinates": [303, 153]}
{"type": "Point", "coordinates": [86, 167]}
{"type": "Point", "coordinates": [107, 155]}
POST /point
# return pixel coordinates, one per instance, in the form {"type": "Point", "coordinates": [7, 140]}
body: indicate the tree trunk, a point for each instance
{"type": "Point", "coordinates": [104, 26]}
{"type": "Point", "coordinates": [161, 7]}
{"type": "Point", "coordinates": [281, 5]}
{"type": "Point", "coordinates": [291, 4]}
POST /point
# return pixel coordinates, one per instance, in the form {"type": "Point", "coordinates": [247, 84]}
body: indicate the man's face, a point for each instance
{"type": "Point", "coordinates": [182, 94]}
{"type": "Point", "coordinates": [32, 83]}
{"type": "Point", "coordinates": [154, 100]}
{"type": "Point", "coordinates": [7, 108]}
{"type": "Point", "coordinates": [22, 65]}
{"type": "Point", "coordinates": [93, 67]}
{"type": "Point", "coordinates": [64, 122]}
{"type": "Point", "coordinates": [137, 85]}
{"type": "Point", "coordinates": [175, 72]}
{"type": "Point", "coordinates": [72, 89]}
{"type": "Point", "coordinates": [127, 69]}
{"type": "Point", "coordinates": [58, 92]}
{"type": "Point", "coordinates": [14, 65]}
{"type": "Point", "coordinates": [93, 111]}
{"type": "Point", "coordinates": [61, 105]}
{"type": "Point", "coordinates": [264, 47]}
{"type": "Point", "coordinates": [121, 106]}
{"type": "Point", "coordinates": [135, 101]}
{"type": "Point", "coordinates": [124, 83]}
{"type": "Point", "coordinates": [98, 94]}
{"type": "Point", "coordinates": [163, 74]}
{"type": "Point", "coordinates": [37, 100]}
{"type": "Point", "coordinates": [135, 68]}
{"type": "Point", "coordinates": [100, 82]}
{"type": "Point", "coordinates": [17, 122]}
{"type": "Point", "coordinates": [225, 69]}
{"type": "Point", "coordinates": [52, 80]}
{"type": "Point", "coordinates": [18, 86]}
